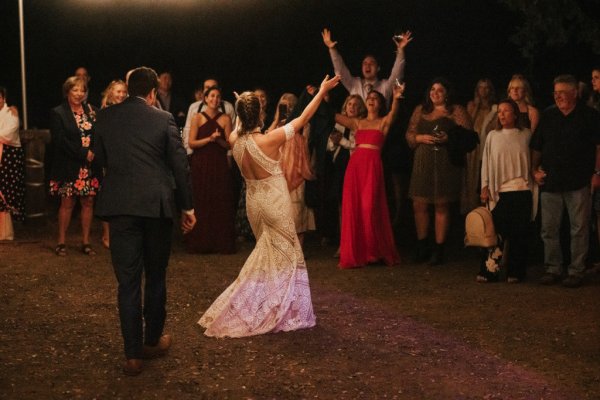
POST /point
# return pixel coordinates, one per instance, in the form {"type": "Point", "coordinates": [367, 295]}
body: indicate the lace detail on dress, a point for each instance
{"type": "Point", "coordinates": [272, 292]}
{"type": "Point", "coordinates": [289, 131]}
{"type": "Point", "coordinates": [246, 142]}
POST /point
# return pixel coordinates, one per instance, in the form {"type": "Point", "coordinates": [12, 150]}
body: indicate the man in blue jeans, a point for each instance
{"type": "Point", "coordinates": [565, 161]}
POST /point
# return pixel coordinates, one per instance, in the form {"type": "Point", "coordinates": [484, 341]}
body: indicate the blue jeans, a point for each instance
{"type": "Point", "coordinates": [578, 204]}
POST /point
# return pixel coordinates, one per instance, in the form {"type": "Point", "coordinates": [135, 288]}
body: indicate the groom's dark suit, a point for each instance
{"type": "Point", "coordinates": [145, 161]}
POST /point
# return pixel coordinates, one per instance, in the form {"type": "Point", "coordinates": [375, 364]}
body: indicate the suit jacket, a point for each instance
{"type": "Point", "coordinates": [68, 154]}
{"type": "Point", "coordinates": [145, 162]}
{"type": "Point", "coordinates": [177, 108]}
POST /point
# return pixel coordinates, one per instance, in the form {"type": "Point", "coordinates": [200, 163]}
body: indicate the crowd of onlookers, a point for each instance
{"type": "Point", "coordinates": [527, 165]}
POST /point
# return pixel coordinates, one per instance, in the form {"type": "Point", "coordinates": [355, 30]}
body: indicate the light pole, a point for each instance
{"type": "Point", "coordinates": [23, 79]}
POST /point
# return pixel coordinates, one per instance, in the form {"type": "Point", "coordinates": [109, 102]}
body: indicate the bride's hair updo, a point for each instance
{"type": "Point", "coordinates": [247, 108]}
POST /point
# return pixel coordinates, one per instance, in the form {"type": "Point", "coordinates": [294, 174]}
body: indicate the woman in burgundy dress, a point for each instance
{"type": "Point", "coordinates": [211, 180]}
{"type": "Point", "coordinates": [367, 235]}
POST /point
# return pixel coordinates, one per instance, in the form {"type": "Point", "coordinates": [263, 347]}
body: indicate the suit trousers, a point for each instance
{"type": "Point", "coordinates": [141, 245]}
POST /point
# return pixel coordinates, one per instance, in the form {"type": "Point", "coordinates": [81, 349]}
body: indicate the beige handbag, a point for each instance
{"type": "Point", "coordinates": [479, 228]}
{"type": "Point", "coordinates": [6, 226]}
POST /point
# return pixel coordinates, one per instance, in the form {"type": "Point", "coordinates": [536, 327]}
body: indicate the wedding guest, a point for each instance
{"type": "Point", "coordinates": [519, 90]}
{"type": "Point", "coordinates": [295, 164]}
{"type": "Point", "coordinates": [367, 235]}
{"type": "Point", "coordinates": [565, 154]}
{"type": "Point", "coordinates": [211, 180]}
{"type": "Point", "coordinates": [482, 109]}
{"type": "Point", "coordinates": [506, 186]}
{"type": "Point", "coordinates": [341, 144]}
{"type": "Point", "coordinates": [594, 100]}
{"type": "Point", "coordinates": [263, 98]}
{"type": "Point", "coordinates": [168, 100]}
{"type": "Point", "coordinates": [115, 93]}
{"type": "Point", "coordinates": [12, 169]}
{"type": "Point", "coordinates": [75, 175]}
{"type": "Point", "coordinates": [435, 179]}
{"type": "Point", "coordinates": [198, 106]}
{"type": "Point", "coordinates": [370, 68]}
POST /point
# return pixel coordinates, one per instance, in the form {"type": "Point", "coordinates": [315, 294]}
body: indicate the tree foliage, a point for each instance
{"type": "Point", "coordinates": [553, 24]}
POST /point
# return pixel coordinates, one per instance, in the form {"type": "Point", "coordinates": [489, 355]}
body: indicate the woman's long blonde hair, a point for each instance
{"type": "Point", "coordinates": [107, 95]}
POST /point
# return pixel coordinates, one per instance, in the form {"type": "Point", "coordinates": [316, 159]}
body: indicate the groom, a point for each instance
{"type": "Point", "coordinates": [145, 162]}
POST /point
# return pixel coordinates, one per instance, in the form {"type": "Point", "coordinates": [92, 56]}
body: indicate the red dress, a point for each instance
{"type": "Point", "coordinates": [212, 186]}
{"type": "Point", "coordinates": [366, 229]}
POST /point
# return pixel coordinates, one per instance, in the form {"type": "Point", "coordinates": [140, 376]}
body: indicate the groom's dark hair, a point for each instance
{"type": "Point", "coordinates": [141, 81]}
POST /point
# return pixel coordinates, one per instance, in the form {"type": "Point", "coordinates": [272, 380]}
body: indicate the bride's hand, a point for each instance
{"type": "Point", "coordinates": [329, 84]}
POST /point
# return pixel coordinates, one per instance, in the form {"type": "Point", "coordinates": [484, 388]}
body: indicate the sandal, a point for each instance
{"type": "Point", "coordinates": [512, 279]}
{"type": "Point", "coordinates": [481, 279]}
{"type": "Point", "coordinates": [86, 248]}
{"type": "Point", "coordinates": [60, 250]}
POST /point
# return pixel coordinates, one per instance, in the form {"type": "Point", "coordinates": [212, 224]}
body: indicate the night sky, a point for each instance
{"type": "Point", "coordinates": [269, 43]}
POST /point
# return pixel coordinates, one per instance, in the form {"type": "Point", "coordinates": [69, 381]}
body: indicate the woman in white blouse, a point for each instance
{"type": "Point", "coordinates": [507, 185]}
{"type": "Point", "coordinates": [12, 169]}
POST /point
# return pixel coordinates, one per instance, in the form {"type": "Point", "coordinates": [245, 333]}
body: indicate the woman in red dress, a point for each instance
{"type": "Point", "coordinates": [211, 180]}
{"type": "Point", "coordinates": [366, 231]}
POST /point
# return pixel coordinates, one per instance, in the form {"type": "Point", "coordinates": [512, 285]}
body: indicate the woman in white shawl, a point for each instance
{"type": "Point", "coordinates": [506, 185]}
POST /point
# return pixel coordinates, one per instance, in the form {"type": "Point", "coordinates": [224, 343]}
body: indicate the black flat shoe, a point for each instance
{"type": "Point", "coordinates": [86, 249]}
{"type": "Point", "coordinates": [60, 250]}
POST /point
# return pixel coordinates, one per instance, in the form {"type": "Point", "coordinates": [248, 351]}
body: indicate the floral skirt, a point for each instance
{"type": "Point", "coordinates": [12, 182]}
{"type": "Point", "coordinates": [84, 185]}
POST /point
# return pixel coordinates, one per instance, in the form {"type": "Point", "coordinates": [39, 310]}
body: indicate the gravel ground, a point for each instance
{"type": "Point", "coordinates": [407, 332]}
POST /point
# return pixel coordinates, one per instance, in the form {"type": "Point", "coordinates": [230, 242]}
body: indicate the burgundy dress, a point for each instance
{"type": "Point", "coordinates": [366, 229]}
{"type": "Point", "coordinates": [213, 196]}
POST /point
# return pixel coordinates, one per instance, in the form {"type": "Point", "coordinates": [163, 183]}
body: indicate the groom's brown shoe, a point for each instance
{"type": "Point", "coordinates": [133, 367]}
{"type": "Point", "coordinates": [161, 348]}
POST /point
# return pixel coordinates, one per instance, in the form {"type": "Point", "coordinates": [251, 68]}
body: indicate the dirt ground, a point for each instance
{"type": "Point", "coordinates": [407, 332]}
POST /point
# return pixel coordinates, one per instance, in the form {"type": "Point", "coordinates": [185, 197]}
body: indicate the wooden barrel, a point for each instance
{"type": "Point", "coordinates": [34, 142]}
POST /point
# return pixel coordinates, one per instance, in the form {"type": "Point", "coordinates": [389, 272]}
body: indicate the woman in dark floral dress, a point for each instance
{"type": "Point", "coordinates": [74, 173]}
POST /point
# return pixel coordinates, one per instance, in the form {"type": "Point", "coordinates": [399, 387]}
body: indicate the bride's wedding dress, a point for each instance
{"type": "Point", "coordinates": [271, 293]}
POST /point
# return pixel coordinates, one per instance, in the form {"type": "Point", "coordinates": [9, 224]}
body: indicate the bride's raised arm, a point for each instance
{"type": "Point", "coordinates": [278, 136]}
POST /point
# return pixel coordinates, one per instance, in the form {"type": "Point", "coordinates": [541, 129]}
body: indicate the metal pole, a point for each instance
{"type": "Point", "coordinates": [23, 79]}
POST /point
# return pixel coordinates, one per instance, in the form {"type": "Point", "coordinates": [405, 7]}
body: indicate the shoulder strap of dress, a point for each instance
{"type": "Point", "coordinates": [211, 119]}
{"type": "Point", "coordinates": [238, 149]}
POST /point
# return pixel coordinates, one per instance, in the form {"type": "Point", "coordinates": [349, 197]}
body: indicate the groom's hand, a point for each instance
{"type": "Point", "coordinates": [188, 220]}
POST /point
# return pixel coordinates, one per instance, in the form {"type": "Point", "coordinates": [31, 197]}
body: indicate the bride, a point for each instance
{"type": "Point", "coordinates": [271, 293]}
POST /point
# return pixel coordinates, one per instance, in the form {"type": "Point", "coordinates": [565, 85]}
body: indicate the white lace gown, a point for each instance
{"type": "Point", "coordinates": [272, 292]}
